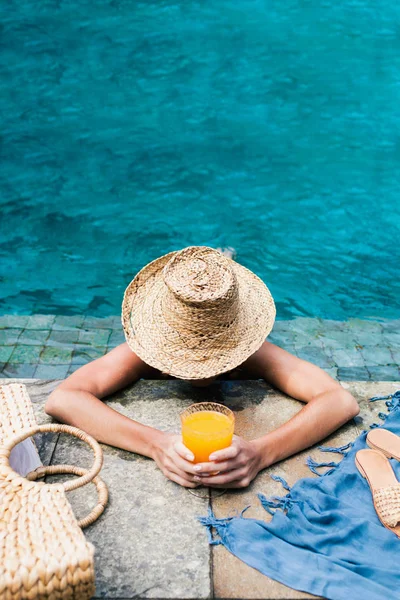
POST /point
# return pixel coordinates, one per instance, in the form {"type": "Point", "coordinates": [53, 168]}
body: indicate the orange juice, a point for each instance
{"type": "Point", "coordinates": [205, 432]}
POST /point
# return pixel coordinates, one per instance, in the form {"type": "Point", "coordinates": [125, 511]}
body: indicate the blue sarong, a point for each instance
{"type": "Point", "coordinates": [330, 542]}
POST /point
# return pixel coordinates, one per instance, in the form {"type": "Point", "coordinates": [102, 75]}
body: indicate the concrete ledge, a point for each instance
{"type": "Point", "coordinates": [148, 542]}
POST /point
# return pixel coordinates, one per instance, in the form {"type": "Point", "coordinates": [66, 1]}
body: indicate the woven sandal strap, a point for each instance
{"type": "Point", "coordinates": [102, 490]}
{"type": "Point", "coordinates": [89, 475]}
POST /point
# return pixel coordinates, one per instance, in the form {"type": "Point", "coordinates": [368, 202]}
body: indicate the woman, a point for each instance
{"type": "Point", "coordinates": [195, 315]}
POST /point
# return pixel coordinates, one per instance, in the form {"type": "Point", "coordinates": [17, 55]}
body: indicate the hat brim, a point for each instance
{"type": "Point", "coordinates": [149, 335]}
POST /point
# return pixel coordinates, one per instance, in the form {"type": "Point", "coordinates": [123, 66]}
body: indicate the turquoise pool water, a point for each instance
{"type": "Point", "coordinates": [133, 128]}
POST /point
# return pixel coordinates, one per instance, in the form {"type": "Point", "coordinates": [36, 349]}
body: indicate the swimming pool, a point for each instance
{"type": "Point", "coordinates": [134, 128]}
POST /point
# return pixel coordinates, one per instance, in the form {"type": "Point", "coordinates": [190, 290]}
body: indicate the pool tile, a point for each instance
{"type": "Point", "coordinates": [5, 353]}
{"type": "Point", "coordinates": [65, 337]}
{"type": "Point", "coordinates": [40, 322]}
{"type": "Point", "coordinates": [386, 373]}
{"type": "Point", "coordinates": [17, 321]}
{"type": "Point", "coordinates": [391, 325]}
{"type": "Point", "coordinates": [51, 371]}
{"type": "Point", "coordinates": [94, 337]}
{"type": "Point", "coordinates": [84, 354]}
{"type": "Point", "coordinates": [25, 354]}
{"type": "Point", "coordinates": [350, 357]}
{"type": "Point", "coordinates": [62, 322]}
{"type": "Point", "coordinates": [396, 355]}
{"type": "Point", "coordinates": [33, 337]}
{"type": "Point", "coordinates": [98, 323]}
{"type": "Point", "coordinates": [353, 374]}
{"type": "Point", "coordinates": [19, 371]}
{"type": "Point", "coordinates": [333, 372]}
{"type": "Point", "coordinates": [9, 336]}
{"type": "Point", "coordinates": [72, 369]}
{"type": "Point", "coordinates": [116, 338]}
{"type": "Point", "coordinates": [56, 356]}
{"type": "Point", "coordinates": [372, 327]}
{"type": "Point", "coordinates": [315, 356]}
{"type": "Point", "coordinates": [377, 355]}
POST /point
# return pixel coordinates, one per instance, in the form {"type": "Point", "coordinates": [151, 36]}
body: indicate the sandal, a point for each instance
{"type": "Point", "coordinates": [385, 488]}
{"type": "Point", "coordinates": [385, 441]}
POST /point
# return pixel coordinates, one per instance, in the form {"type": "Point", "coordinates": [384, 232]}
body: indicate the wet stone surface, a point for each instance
{"type": "Point", "coordinates": [148, 542]}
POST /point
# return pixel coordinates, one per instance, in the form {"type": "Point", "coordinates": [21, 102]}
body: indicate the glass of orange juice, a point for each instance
{"type": "Point", "coordinates": [207, 427]}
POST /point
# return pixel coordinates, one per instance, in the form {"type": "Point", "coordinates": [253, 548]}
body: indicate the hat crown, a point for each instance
{"type": "Point", "coordinates": [201, 276]}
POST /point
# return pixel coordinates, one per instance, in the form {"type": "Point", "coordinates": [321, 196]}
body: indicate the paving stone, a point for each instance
{"type": "Point", "coordinates": [25, 354]}
{"type": "Point", "coordinates": [376, 355]}
{"type": "Point", "coordinates": [40, 322]}
{"type": "Point", "coordinates": [9, 336]}
{"type": "Point", "coordinates": [64, 337]}
{"type": "Point", "coordinates": [56, 356]}
{"type": "Point", "coordinates": [33, 337]}
{"type": "Point", "coordinates": [353, 374]}
{"type": "Point", "coordinates": [19, 370]}
{"type": "Point", "coordinates": [6, 352]}
{"type": "Point", "coordinates": [63, 322]}
{"type": "Point", "coordinates": [94, 337]}
{"type": "Point", "coordinates": [48, 371]}
{"type": "Point", "coordinates": [84, 354]}
{"type": "Point", "coordinates": [17, 321]}
{"type": "Point", "coordinates": [150, 524]}
{"type": "Point", "coordinates": [152, 521]}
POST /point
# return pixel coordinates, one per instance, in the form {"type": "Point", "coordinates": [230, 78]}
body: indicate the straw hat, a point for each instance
{"type": "Point", "coordinates": [196, 313]}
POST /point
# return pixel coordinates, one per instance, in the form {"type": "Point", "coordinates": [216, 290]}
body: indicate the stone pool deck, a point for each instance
{"type": "Point", "coordinates": [148, 542]}
{"type": "Point", "coordinates": [52, 347]}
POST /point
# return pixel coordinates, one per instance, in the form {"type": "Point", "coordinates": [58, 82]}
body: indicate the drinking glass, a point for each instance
{"type": "Point", "coordinates": [206, 428]}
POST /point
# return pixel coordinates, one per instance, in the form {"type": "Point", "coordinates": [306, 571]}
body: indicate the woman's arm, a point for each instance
{"type": "Point", "coordinates": [328, 407]}
{"type": "Point", "coordinates": [77, 401]}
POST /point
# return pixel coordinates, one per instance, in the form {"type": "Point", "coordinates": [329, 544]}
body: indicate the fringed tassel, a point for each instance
{"type": "Point", "coordinates": [210, 522]}
{"type": "Point", "coordinates": [313, 465]}
{"type": "Point", "coordinates": [270, 503]}
{"type": "Point", "coordinates": [339, 449]}
{"type": "Point", "coordinates": [392, 402]}
{"type": "Point", "coordinates": [277, 502]}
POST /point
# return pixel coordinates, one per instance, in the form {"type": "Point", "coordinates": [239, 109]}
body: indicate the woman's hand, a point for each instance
{"type": "Point", "coordinates": [175, 460]}
{"type": "Point", "coordinates": [234, 467]}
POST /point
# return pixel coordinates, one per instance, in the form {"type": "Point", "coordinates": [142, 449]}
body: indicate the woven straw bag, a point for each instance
{"type": "Point", "coordinates": [43, 552]}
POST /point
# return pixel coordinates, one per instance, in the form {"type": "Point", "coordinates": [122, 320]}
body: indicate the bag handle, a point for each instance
{"type": "Point", "coordinates": [102, 489]}
{"type": "Point", "coordinates": [85, 475]}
